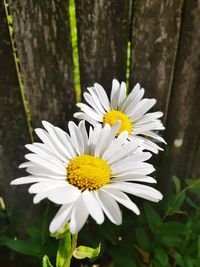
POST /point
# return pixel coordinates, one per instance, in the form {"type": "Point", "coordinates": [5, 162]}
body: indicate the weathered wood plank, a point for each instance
{"type": "Point", "coordinates": [183, 123]}
{"type": "Point", "coordinates": [155, 34]}
{"type": "Point", "coordinates": [42, 32]}
{"type": "Point", "coordinates": [14, 132]}
{"type": "Point", "coordinates": [102, 28]}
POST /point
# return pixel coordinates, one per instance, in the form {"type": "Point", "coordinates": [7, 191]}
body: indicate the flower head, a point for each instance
{"type": "Point", "coordinates": [87, 174]}
{"type": "Point", "coordinates": [131, 110]}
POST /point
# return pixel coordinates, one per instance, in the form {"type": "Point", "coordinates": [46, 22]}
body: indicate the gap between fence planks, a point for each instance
{"type": "Point", "coordinates": [42, 33]}
{"type": "Point", "coordinates": [14, 132]}
{"type": "Point", "coordinates": [103, 29]}
{"type": "Point", "coordinates": [183, 121]}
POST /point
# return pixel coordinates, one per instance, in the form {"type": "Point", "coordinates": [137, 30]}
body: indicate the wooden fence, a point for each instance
{"type": "Point", "coordinates": [164, 41]}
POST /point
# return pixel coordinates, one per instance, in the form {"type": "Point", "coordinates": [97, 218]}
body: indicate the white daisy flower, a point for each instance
{"type": "Point", "coordinates": [87, 174]}
{"type": "Point", "coordinates": [131, 110]}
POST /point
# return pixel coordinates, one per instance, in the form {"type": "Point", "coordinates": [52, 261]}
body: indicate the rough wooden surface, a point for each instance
{"type": "Point", "coordinates": [102, 41]}
{"type": "Point", "coordinates": [13, 130]}
{"type": "Point", "coordinates": [183, 122]}
{"type": "Point", "coordinates": [155, 34]}
{"type": "Point", "coordinates": [42, 33]}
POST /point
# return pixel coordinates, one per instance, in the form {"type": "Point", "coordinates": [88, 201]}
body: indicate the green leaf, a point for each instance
{"type": "Point", "coordinates": [161, 256]}
{"type": "Point", "coordinates": [23, 247]}
{"type": "Point", "coordinates": [177, 184]}
{"type": "Point", "coordinates": [122, 256]}
{"type": "Point", "coordinates": [172, 228]}
{"type": "Point", "coordinates": [142, 238]}
{"type": "Point", "coordinates": [83, 252]}
{"type": "Point", "coordinates": [46, 262]}
{"type": "Point", "coordinates": [153, 218]}
{"type": "Point", "coordinates": [175, 204]}
{"type": "Point", "coordinates": [194, 184]}
{"type": "Point", "coordinates": [63, 249]}
{"type": "Point", "coordinates": [61, 233]}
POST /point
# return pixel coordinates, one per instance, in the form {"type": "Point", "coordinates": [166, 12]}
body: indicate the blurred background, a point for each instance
{"type": "Point", "coordinates": [50, 51]}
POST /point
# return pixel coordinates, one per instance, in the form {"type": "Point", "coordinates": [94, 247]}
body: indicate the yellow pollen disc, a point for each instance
{"type": "Point", "coordinates": [88, 172]}
{"type": "Point", "coordinates": [113, 116]}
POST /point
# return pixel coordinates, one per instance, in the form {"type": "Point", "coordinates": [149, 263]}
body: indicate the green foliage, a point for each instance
{"type": "Point", "coordinates": [164, 235]}
{"type": "Point", "coordinates": [46, 262]}
{"type": "Point", "coordinates": [63, 248]}
{"type": "Point", "coordinates": [35, 243]}
{"type": "Point", "coordinates": [83, 252]}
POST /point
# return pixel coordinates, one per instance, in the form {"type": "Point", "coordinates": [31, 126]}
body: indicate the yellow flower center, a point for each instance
{"type": "Point", "coordinates": [88, 172]}
{"type": "Point", "coordinates": [113, 116]}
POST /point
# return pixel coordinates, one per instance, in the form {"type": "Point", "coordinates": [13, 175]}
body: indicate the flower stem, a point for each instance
{"type": "Point", "coordinates": [73, 247]}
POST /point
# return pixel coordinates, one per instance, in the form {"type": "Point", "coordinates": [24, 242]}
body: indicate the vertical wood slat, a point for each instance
{"type": "Point", "coordinates": [14, 132]}
{"type": "Point", "coordinates": [183, 122]}
{"type": "Point", "coordinates": [155, 34]}
{"type": "Point", "coordinates": [42, 33]}
{"type": "Point", "coordinates": [102, 28]}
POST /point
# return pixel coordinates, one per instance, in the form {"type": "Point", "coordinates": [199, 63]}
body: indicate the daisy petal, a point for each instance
{"type": "Point", "coordinates": [122, 199]}
{"type": "Point", "coordinates": [64, 195]}
{"type": "Point", "coordinates": [109, 206]}
{"type": "Point", "coordinates": [79, 215]}
{"type": "Point", "coordinates": [61, 218]}
{"type": "Point", "coordinates": [93, 206]}
{"type": "Point", "coordinates": [139, 190]}
{"type": "Point", "coordinates": [102, 96]}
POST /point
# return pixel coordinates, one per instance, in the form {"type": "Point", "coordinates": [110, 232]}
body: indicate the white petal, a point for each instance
{"type": "Point", "coordinates": [96, 100]}
{"type": "Point", "coordinates": [29, 180]}
{"type": "Point", "coordinates": [42, 186]}
{"type": "Point", "coordinates": [152, 116]}
{"type": "Point", "coordinates": [76, 137]}
{"type": "Point", "coordinates": [64, 195]}
{"type": "Point", "coordinates": [93, 138]}
{"type": "Point", "coordinates": [141, 108]}
{"type": "Point", "coordinates": [139, 190]}
{"type": "Point", "coordinates": [86, 117]}
{"type": "Point", "coordinates": [109, 206]}
{"type": "Point", "coordinates": [26, 164]}
{"type": "Point", "coordinates": [134, 102]}
{"type": "Point", "coordinates": [79, 216]}
{"type": "Point", "coordinates": [52, 165]}
{"type": "Point", "coordinates": [155, 125]}
{"type": "Point", "coordinates": [90, 111]}
{"type": "Point", "coordinates": [131, 160]}
{"type": "Point", "coordinates": [134, 178]}
{"type": "Point", "coordinates": [115, 94]}
{"type": "Point", "coordinates": [137, 168]}
{"type": "Point", "coordinates": [61, 218]}
{"type": "Point", "coordinates": [115, 145]}
{"type": "Point", "coordinates": [66, 142]}
{"type": "Point", "coordinates": [84, 135]}
{"type": "Point", "coordinates": [122, 199]}
{"type": "Point", "coordinates": [62, 143]}
{"type": "Point", "coordinates": [44, 193]}
{"type": "Point", "coordinates": [43, 172]}
{"type": "Point", "coordinates": [49, 142]}
{"type": "Point", "coordinates": [130, 97]}
{"type": "Point", "coordinates": [93, 206]}
{"type": "Point", "coordinates": [155, 136]}
{"type": "Point", "coordinates": [41, 151]}
{"type": "Point", "coordinates": [122, 152]}
{"type": "Point", "coordinates": [122, 94]}
{"type": "Point", "coordinates": [102, 96]}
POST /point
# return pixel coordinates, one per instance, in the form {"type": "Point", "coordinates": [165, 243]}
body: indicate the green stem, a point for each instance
{"type": "Point", "coordinates": [73, 247]}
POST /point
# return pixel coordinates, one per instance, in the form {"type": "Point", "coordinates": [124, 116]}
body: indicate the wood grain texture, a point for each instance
{"type": "Point", "coordinates": [43, 39]}
{"type": "Point", "coordinates": [14, 132]}
{"type": "Point", "coordinates": [183, 121]}
{"type": "Point", "coordinates": [102, 28]}
{"type": "Point", "coordinates": [155, 34]}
